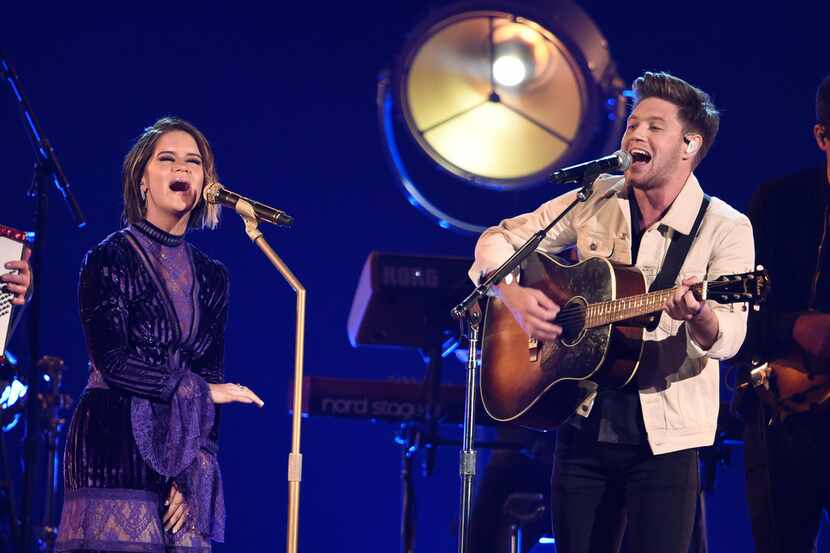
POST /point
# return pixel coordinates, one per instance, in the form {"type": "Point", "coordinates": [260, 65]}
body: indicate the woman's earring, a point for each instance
{"type": "Point", "coordinates": [143, 193]}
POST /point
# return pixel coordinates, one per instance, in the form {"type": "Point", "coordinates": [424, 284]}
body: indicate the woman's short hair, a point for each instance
{"type": "Point", "coordinates": [203, 215]}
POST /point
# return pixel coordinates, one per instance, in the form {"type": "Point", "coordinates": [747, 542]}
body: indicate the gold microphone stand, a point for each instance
{"type": "Point", "coordinates": [295, 458]}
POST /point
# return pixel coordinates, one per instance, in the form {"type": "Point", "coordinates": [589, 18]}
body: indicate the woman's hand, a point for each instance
{"type": "Point", "coordinates": [177, 511]}
{"type": "Point", "coordinates": [230, 393]}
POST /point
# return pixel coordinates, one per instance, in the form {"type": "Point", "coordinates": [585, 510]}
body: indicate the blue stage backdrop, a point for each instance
{"type": "Point", "coordinates": [286, 93]}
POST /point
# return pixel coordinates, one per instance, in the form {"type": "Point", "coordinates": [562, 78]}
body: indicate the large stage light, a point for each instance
{"type": "Point", "coordinates": [497, 95]}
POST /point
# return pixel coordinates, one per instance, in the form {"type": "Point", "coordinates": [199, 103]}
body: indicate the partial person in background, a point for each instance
{"type": "Point", "coordinates": [140, 470]}
{"type": "Point", "coordinates": [787, 453]}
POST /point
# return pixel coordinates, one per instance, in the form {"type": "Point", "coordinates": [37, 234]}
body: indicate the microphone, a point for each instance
{"type": "Point", "coordinates": [215, 193]}
{"type": "Point", "coordinates": [618, 161]}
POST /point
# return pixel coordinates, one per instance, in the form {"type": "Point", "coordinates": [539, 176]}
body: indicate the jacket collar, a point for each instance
{"type": "Point", "coordinates": [682, 212]}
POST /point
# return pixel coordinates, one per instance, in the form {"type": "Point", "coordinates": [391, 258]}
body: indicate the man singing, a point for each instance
{"type": "Point", "coordinates": [633, 454]}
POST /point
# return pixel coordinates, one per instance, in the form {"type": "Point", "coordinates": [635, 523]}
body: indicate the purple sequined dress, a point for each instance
{"type": "Point", "coordinates": [153, 310]}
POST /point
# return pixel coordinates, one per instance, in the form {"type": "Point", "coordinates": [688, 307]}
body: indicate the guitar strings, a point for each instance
{"type": "Point", "coordinates": [576, 313]}
{"type": "Point", "coordinates": [572, 314]}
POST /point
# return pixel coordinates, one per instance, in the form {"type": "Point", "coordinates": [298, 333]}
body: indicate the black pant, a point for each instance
{"type": "Point", "coordinates": [787, 483]}
{"type": "Point", "coordinates": [598, 487]}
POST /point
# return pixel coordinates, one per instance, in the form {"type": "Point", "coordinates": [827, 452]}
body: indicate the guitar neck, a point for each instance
{"type": "Point", "coordinates": [631, 307]}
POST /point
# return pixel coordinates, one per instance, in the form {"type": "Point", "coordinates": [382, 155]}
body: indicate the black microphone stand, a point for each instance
{"type": "Point", "coordinates": [469, 312]}
{"type": "Point", "coordinates": [47, 171]}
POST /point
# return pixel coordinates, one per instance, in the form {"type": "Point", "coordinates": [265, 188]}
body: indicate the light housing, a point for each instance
{"type": "Point", "coordinates": [487, 127]}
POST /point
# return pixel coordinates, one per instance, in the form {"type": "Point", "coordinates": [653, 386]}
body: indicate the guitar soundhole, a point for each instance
{"type": "Point", "coordinates": [572, 320]}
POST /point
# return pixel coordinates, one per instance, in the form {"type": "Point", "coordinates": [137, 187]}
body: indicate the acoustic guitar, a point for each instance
{"type": "Point", "coordinates": [605, 309]}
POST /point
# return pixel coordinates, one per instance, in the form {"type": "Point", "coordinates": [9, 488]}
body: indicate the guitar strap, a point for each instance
{"type": "Point", "coordinates": [678, 249]}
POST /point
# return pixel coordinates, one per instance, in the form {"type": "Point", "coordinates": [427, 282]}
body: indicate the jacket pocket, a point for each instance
{"type": "Point", "coordinates": [595, 245]}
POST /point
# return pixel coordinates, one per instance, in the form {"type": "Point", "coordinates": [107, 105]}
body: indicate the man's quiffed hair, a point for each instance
{"type": "Point", "coordinates": [696, 111]}
{"type": "Point", "coordinates": [823, 103]}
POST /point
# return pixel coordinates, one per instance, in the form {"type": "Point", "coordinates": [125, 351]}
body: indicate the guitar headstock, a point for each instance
{"type": "Point", "coordinates": [751, 287]}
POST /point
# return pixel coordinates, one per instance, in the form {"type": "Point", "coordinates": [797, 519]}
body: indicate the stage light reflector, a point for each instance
{"type": "Point", "coordinates": [500, 96]}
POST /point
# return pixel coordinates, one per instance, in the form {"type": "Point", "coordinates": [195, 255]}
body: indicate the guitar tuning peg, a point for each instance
{"type": "Point", "coordinates": [759, 267]}
{"type": "Point", "coordinates": [756, 308]}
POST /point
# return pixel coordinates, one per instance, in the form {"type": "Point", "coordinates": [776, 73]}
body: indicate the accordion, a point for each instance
{"type": "Point", "coordinates": [12, 242]}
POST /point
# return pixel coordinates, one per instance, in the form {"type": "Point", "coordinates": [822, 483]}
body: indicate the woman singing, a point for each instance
{"type": "Point", "coordinates": [140, 468]}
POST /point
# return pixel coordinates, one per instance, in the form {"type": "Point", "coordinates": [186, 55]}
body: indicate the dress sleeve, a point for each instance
{"type": "Point", "coordinates": [104, 290]}
{"type": "Point", "coordinates": [175, 439]}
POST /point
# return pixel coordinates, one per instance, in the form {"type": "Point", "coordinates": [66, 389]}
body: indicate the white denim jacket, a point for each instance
{"type": "Point", "coordinates": [678, 380]}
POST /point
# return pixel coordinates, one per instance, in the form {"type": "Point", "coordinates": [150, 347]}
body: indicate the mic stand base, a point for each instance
{"type": "Point", "coordinates": [295, 458]}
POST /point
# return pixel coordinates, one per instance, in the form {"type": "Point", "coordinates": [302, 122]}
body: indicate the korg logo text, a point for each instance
{"type": "Point", "coordinates": [410, 277]}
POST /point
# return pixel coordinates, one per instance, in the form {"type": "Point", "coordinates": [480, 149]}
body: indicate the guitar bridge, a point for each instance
{"type": "Point", "coordinates": [533, 349]}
